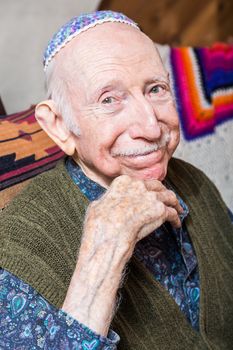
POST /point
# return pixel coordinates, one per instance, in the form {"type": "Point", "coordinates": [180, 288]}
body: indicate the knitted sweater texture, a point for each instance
{"type": "Point", "coordinates": [41, 235]}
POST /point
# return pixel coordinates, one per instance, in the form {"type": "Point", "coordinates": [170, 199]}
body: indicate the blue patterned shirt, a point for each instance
{"type": "Point", "coordinates": [29, 322]}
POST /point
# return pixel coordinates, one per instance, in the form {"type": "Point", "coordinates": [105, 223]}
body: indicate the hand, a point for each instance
{"type": "Point", "coordinates": [130, 210]}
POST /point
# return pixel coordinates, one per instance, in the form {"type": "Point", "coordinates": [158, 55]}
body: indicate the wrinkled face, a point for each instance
{"type": "Point", "coordinates": [122, 103]}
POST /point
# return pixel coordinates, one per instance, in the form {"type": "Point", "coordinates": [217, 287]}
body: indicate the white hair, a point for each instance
{"type": "Point", "coordinates": [58, 90]}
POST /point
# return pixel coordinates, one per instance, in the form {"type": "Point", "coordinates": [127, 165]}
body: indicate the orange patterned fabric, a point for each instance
{"type": "Point", "coordinates": [25, 149]}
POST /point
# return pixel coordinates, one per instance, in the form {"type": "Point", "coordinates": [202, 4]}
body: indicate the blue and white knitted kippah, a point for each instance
{"type": "Point", "coordinates": [78, 25]}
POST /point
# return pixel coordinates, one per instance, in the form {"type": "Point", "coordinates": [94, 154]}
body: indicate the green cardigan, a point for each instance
{"type": "Point", "coordinates": [41, 232]}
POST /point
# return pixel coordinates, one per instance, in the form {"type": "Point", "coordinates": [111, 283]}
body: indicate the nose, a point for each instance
{"type": "Point", "coordinates": [144, 120]}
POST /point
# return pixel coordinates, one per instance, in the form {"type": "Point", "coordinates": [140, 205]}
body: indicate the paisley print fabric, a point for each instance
{"type": "Point", "coordinates": [28, 321]}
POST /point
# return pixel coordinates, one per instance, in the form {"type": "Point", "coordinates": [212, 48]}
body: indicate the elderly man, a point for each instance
{"type": "Point", "coordinates": [111, 110]}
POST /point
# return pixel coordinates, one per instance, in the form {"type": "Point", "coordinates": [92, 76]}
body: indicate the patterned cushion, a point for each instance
{"type": "Point", "coordinates": [26, 150]}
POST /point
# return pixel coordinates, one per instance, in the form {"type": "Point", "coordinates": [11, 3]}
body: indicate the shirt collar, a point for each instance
{"type": "Point", "coordinates": [91, 189]}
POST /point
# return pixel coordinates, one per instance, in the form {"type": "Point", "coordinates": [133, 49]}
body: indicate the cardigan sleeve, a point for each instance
{"type": "Point", "coordinates": [28, 321]}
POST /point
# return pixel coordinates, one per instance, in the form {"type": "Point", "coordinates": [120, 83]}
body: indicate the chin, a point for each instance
{"type": "Point", "coordinates": [157, 172]}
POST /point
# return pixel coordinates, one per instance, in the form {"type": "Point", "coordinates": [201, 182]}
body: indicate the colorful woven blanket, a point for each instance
{"type": "Point", "coordinates": [203, 84]}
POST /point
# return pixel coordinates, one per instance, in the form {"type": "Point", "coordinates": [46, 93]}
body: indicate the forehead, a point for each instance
{"type": "Point", "coordinates": [109, 50]}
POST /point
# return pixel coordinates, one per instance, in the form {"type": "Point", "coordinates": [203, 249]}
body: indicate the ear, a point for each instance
{"type": "Point", "coordinates": [53, 124]}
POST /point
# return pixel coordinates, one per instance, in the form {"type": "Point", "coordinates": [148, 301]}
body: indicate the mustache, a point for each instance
{"type": "Point", "coordinates": [144, 149]}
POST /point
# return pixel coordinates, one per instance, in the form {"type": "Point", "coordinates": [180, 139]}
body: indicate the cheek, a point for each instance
{"type": "Point", "coordinates": [97, 140]}
{"type": "Point", "coordinates": [169, 116]}
{"type": "Point", "coordinates": [174, 141]}
{"type": "Point", "coordinates": [169, 110]}
{"type": "Point", "coordinates": [107, 133]}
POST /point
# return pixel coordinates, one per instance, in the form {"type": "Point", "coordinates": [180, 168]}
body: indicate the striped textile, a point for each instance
{"type": "Point", "coordinates": [25, 149]}
{"type": "Point", "coordinates": [203, 86]}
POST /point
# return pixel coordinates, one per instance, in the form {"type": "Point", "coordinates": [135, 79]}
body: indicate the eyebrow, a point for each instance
{"type": "Point", "coordinates": [157, 78]}
{"type": "Point", "coordinates": [110, 85]}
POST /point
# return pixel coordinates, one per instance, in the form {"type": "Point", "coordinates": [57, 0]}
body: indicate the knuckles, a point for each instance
{"type": "Point", "coordinates": [161, 209]}
{"type": "Point", "coordinates": [172, 194]}
{"type": "Point", "coordinates": [172, 197]}
{"type": "Point", "coordinates": [126, 182]}
{"type": "Point", "coordinates": [122, 179]}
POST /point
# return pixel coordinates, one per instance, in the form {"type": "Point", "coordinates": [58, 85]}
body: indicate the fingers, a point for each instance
{"type": "Point", "coordinates": [164, 195]}
{"type": "Point", "coordinates": [169, 198]}
{"type": "Point", "coordinates": [154, 185]}
{"type": "Point", "coordinates": [171, 207]}
{"type": "Point", "coordinates": [165, 214]}
{"type": "Point", "coordinates": [172, 216]}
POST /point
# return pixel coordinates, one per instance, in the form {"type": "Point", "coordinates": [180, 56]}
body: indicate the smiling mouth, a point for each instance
{"type": "Point", "coordinates": [144, 151]}
{"type": "Point", "coordinates": [142, 160]}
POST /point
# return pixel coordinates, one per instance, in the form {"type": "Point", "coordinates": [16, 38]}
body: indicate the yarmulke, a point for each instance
{"type": "Point", "coordinates": [78, 25]}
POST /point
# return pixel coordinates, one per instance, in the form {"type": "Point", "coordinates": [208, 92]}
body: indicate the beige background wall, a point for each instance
{"type": "Point", "coordinates": [25, 27]}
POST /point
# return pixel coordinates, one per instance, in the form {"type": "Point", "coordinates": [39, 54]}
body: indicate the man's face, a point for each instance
{"type": "Point", "coordinates": [122, 103]}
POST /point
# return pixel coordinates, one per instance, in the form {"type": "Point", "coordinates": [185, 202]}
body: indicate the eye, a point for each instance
{"type": "Point", "coordinates": [158, 89]}
{"type": "Point", "coordinates": [108, 100]}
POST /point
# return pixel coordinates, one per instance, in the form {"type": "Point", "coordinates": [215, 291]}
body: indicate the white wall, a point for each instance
{"type": "Point", "coordinates": [26, 26]}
